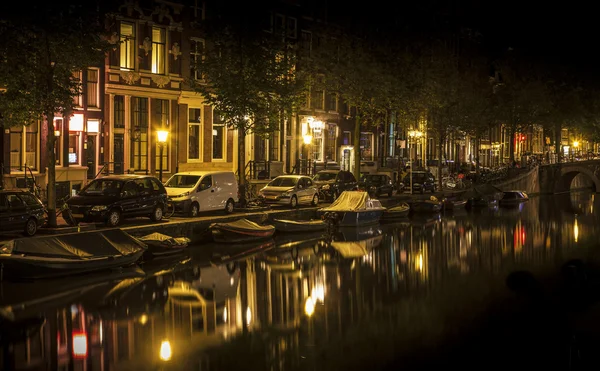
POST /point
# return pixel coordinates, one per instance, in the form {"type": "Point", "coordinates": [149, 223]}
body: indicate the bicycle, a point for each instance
{"type": "Point", "coordinates": [62, 209]}
{"type": "Point", "coordinates": [169, 209]}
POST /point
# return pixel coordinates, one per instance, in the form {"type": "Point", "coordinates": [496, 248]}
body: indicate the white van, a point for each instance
{"type": "Point", "coordinates": [194, 191]}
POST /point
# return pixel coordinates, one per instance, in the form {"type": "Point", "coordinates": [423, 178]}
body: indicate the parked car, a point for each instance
{"type": "Point", "coordinates": [290, 190]}
{"type": "Point", "coordinates": [21, 211]}
{"type": "Point", "coordinates": [377, 184]}
{"type": "Point", "coordinates": [195, 191]}
{"type": "Point", "coordinates": [421, 181]}
{"type": "Point", "coordinates": [112, 198]}
{"type": "Point", "coordinates": [331, 183]}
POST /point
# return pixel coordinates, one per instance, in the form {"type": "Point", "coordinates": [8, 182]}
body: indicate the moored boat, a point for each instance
{"type": "Point", "coordinates": [353, 208]}
{"type": "Point", "coordinates": [62, 255]}
{"type": "Point", "coordinates": [313, 225]}
{"type": "Point", "coordinates": [397, 212]}
{"type": "Point", "coordinates": [161, 245]}
{"type": "Point", "coordinates": [513, 198]}
{"type": "Point", "coordinates": [432, 205]}
{"type": "Point", "coordinates": [242, 230]}
{"type": "Point", "coordinates": [451, 205]}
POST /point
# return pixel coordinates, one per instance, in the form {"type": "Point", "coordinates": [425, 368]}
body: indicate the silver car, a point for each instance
{"type": "Point", "coordinates": [290, 190]}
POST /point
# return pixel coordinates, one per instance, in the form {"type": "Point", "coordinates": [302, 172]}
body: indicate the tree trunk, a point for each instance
{"type": "Point", "coordinates": [242, 166]}
{"type": "Point", "coordinates": [439, 170]}
{"type": "Point", "coordinates": [558, 142]}
{"type": "Point", "coordinates": [477, 145]}
{"type": "Point", "coordinates": [51, 188]}
{"type": "Point", "coordinates": [357, 146]}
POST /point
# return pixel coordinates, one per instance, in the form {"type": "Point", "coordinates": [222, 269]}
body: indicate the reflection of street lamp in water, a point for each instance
{"type": "Point", "coordinates": [413, 134]}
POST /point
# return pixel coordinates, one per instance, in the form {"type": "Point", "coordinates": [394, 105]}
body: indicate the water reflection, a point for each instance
{"type": "Point", "coordinates": [290, 303]}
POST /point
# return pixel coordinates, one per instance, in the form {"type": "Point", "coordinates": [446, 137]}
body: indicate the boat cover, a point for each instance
{"type": "Point", "coordinates": [399, 208]}
{"type": "Point", "coordinates": [165, 240]}
{"type": "Point", "coordinates": [113, 242]}
{"type": "Point", "coordinates": [300, 222]}
{"type": "Point", "coordinates": [243, 224]}
{"type": "Point", "coordinates": [356, 249]}
{"type": "Point", "coordinates": [354, 201]}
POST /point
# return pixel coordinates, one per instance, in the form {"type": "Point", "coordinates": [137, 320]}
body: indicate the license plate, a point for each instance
{"type": "Point", "coordinates": [77, 215]}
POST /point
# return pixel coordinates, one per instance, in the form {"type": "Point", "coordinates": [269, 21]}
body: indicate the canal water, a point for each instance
{"type": "Point", "coordinates": [481, 289]}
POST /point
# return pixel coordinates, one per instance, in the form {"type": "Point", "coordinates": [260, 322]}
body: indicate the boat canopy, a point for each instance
{"type": "Point", "coordinates": [353, 201]}
{"type": "Point", "coordinates": [114, 242]}
{"type": "Point", "coordinates": [243, 224]}
{"type": "Point", "coordinates": [164, 239]}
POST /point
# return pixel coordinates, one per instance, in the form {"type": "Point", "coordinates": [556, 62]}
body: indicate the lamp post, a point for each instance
{"type": "Point", "coordinates": [413, 134]}
{"type": "Point", "coordinates": [307, 139]}
{"type": "Point", "coordinates": [162, 141]}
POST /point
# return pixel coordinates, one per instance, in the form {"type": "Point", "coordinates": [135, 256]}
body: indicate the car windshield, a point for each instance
{"type": "Point", "coordinates": [323, 177]}
{"type": "Point", "coordinates": [102, 186]}
{"type": "Point", "coordinates": [283, 182]}
{"type": "Point", "coordinates": [182, 181]}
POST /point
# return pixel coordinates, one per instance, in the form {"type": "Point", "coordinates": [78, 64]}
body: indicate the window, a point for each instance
{"type": "Point", "coordinates": [274, 146]}
{"type": "Point", "coordinates": [139, 135]}
{"type": "Point", "coordinates": [366, 146]}
{"type": "Point", "coordinates": [31, 145]}
{"type": "Point", "coordinates": [279, 26]}
{"type": "Point", "coordinates": [260, 150]}
{"type": "Point", "coordinates": [194, 133]}
{"type": "Point", "coordinates": [74, 147]}
{"type": "Point", "coordinates": [16, 148]}
{"type": "Point", "coordinates": [158, 50]}
{"type": "Point", "coordinates": [218, 133]}
{"type": "Point", "coordinates": [330, 102]}
{"type": "Point", "coordinates": [119, 111]}
{"type": "Point", "coordinates": [77, 99]}
{"type": "Point", "coordinates": [127, 47]}
{"type": "Point", "coordinates": [291, 28]}
{"type": "Point", "coordinates": [316, 96]}
{"type": "Point", "coordinates": [205, 183]}
{"type": "Point", "coordinates": [160, 113]}
{"type": "Point", "coordinates": [196, 51]}
{"type": "Point", "coordinates": [317, 144]}
{"type": "Point", "coordinates": [92, 88]}
{"type": "Point", "coordinates": [306, 43]}
{"type": "Point", "coordinates": [347, 138]}
{"type": "Point", "coordinates": [198, 10]}
{"type": "Point", "coordinates": [330, 142]}
{"type": "Point", "coordinates": [30, 200]}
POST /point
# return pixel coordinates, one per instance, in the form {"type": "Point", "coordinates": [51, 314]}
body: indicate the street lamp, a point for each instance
{"type": "Point", "coordinates": [162, 141]}
{"type": "Point", "coordinates": [414, 134]}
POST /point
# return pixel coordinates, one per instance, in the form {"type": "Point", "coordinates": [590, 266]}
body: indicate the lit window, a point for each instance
{"type": "Point", "coordinates": [194, 133]}
{"type": "Point", "coordinates": [119, 111]}
{"type": "Point", "coordinates": [139, 134]}
{"type": "Point", "coordinates": [127, 50]}
{"type": "Point", "coordinates": [158, 50]}
{"type": "Point", "coordinates": [74, 146]}
{"type": "Point", "coordinates": [92, 88]}
{"type": "Point", "coordinates": [366, 146]}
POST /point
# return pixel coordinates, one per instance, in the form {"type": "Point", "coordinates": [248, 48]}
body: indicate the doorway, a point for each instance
{"type": "Point", "coordinates": [119, 156]}
{"type": "Point", "coordinates": [90, 155]}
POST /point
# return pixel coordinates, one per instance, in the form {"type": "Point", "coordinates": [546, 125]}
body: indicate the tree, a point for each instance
{"type": "Point", "coordinates": [249, 77]}
{"type": "Point", "coordinates": [42, 45]}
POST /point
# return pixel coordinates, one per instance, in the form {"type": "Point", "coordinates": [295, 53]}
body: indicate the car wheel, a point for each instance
{"type": "Point", "coordinates": [114, 218]}
{"type": "Point", "coordinates": [194, 210]}
{"type": "Point", "coordinates": [315, 200]}
{"type": "Point", "coordinates": [30, 227]}
{"type": "Point", "coordinates": [229, 206]}
{"type": "Point", "coordinates": [294, 201]}
{"type": "Point", "coordinates": [157, 214]}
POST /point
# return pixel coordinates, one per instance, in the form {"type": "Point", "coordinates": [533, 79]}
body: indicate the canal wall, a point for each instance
{"type": "Point", "coordinates": [528, 182]}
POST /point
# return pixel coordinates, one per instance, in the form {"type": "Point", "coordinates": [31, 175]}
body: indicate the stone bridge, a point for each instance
{"type": "Point", "coordinates": [558, 178]}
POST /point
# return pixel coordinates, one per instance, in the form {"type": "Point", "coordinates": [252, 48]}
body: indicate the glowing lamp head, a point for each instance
{"type": "Point", "coordinates": [162, 136]}
{"type": "Point", "coordinates": [307, 139]}
{"type": "Point", "coordinates": [165, 350]}
{"type": "Point", "coordinates": [575, 144]}
{"type": "Point", "coordinates": [309, 306]}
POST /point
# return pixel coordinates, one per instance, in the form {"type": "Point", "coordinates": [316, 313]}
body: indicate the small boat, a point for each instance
{"type": "Point", "coordinates": [451, 205]}
{"type": "Point", "coordinates": [242, 230]}
{"type": "Point", "coordinates": [161, 245]}
{"type": "Point", "coordinates": [353, 208]}
{"type": "Point", "coordinates": [432, 205]}
{"type": "Point", "coordinates": [299, 225]}
{"type": "Point", "coordinates": [62, 255]}
{"type": "Point", "coordinates": [513, 198]}
{"type": "Point", "coordinates": [397, 212]}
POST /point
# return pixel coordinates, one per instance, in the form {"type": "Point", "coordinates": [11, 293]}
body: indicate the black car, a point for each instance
{"type": "Point", "coordinates": [377, 184]}
{"type": "Point", "coordinates": [21, 211]}
{"type": "Point", "coordinates": [111, 198]}
{"type": "Point", "coordinates": [421, 181]}
{"type": "Point", "coordinates": [331, 183]}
